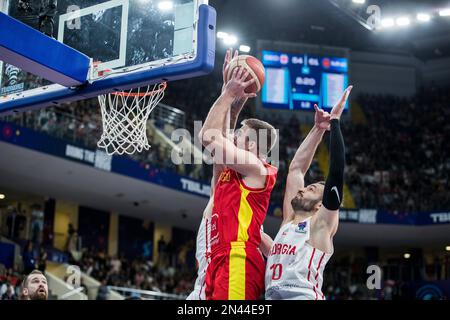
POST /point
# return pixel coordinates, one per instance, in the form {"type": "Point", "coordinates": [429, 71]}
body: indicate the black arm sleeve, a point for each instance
{"type": "Point", "coordinates": [333, 192]}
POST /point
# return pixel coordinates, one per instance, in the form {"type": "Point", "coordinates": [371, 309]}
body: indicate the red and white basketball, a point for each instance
{"type": "Point", "coordinates": [254, 67]}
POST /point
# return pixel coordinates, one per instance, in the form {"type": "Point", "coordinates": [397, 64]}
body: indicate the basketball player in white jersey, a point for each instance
{"type": "Point", "coordinates": [304, 243]}
{"type": "Point", "coordinates": [203, 247]}
{"type": "Point", "coordinates": [202, 252]}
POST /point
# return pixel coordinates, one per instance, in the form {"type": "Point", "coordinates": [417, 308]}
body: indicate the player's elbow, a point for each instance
{"type": "Point", "coordinates": [296, 169]}
{"type": "Point", "coordinates": [294, 166]}
{"type": "Point", "coordinates": [201, 138]}
{"type": "Point", "coordinates": [204, 138]}
{"type": "Point", "coordinates": [210, 136]}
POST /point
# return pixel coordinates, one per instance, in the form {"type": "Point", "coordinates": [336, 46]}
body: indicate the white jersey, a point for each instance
{"type": "Point", "coordinates": [294, 268]}
{"type": "Point", "coordinates": [202, 254]}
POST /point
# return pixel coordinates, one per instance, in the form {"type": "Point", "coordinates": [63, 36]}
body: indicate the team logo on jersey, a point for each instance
{"type": "Point", "coordinates": [214, 233]}
{"type": "Point", "coordinates": [301, 227]}
{"type": "Point", "coordinates": [225, 176]}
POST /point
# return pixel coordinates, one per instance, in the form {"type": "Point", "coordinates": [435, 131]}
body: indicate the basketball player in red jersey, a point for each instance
{"type": "Point", "coordinates": [241, 197]}
{"type": "Point", "coordinates": [203, 248]}
{"type": "Point", "coordinates": [304, 243]}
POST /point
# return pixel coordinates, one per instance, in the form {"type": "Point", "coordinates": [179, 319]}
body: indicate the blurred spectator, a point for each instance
{"type": "Point", "coordinates": [9, 294]}
{"type": "Point", "coordinates": [162, 251]}
{"type": "Point", "coordinates": [115, 264]}
{"type": "Point", "coordinates": [103, 291]}
{"type": "Point", "coordinates": [42, 264]}
{"type": "Point", "coordinates": [85, 288]}
{"type": "Point", "coordinates": [72, 240]}
{"type": "Point", "coordinates": [29, 258]}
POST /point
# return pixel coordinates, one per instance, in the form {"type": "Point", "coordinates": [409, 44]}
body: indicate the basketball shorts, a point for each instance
{"type": "Point", "coordinates": [235, 273]}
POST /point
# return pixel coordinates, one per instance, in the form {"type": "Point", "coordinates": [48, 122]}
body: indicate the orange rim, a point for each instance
{"type": "Point", "coordinates": [162, 87]}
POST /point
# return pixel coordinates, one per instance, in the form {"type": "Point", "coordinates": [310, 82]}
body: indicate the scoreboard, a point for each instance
{"type": "Point", "coordinates": [298, 81]}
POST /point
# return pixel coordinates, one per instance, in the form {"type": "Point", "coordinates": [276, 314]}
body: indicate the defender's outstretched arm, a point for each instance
{"type": "Point", "coordinates": [333, 192]}
{"type": "Point", "coordinates": [302, 161]}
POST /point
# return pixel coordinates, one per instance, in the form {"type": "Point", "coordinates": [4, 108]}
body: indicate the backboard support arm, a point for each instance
{"type": "Point", "coordinates": [37, 53]}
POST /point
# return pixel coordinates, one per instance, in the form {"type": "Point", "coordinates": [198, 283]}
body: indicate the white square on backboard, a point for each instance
{"type": "Point", "coordinates": [184, 28]}
{"type": "Point", "coordinates": [182, 41]}
{"type": "Point", "coordinates": [184, 16]}
{"type": "Point", "coordinates": [120, 62]}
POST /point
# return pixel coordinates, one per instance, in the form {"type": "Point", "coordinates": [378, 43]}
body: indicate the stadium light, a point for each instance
{"type": "Point", "coordinates": [406, 256]}
{"type": "Point", "coordinates": [403, 21]}
{"type": "Point", "coordinates": [423, 17]}
{"type": "Point", "coordinates": [447, 248]}
{"type": "Point", "coordinates": [222, 35]}
{"type": "Point", "coordinates": [244, 48]}
{"type": "Point", "coordinates": [165, 5]}
{"type": "Point", "coordinates": [230, 40]}
{"type": "Point", "coordinates": [387, 23]}
{"type": "Point", "coordinates": [2, 196]}
{"type": "Point", "coordinates": [359, 1]}
{"type": "Point", "coordinates": [445, 12]}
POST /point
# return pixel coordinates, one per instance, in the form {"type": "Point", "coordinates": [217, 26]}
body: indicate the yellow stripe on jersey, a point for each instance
{"type": "Point", "coordinates": [238, 256]}
{"type": "Point", "coordinates": [236, 276]}
{"type": "Point", "coordinates": [245, 215]}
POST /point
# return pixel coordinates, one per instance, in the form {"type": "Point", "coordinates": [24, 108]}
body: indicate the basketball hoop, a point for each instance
{"type": "Point", "coordinates": [124, 118]}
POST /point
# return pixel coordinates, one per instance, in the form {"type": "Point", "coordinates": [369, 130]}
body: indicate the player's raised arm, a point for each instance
{"type": "Point", "coordinates": [238, 103]}
{"type": "Point", "coordinates": [218, 113]}
{"type": "Point", "coordinates": [232, 114]}
{"type": "Point", "coordinates": [231, 118]}
{"type": "Point", "coordinates": [224, 151]}
{"type": "Point", "coordinates": [302, 161]}
{"type": "Point", "coordinates": [333, 191]}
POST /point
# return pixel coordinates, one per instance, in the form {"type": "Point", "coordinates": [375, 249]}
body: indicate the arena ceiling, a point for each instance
{"type": "Point", "coordinates": [337, 23]}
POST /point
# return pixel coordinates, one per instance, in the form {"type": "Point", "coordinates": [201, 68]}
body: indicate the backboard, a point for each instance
{"type": "Point", "coordinates": [130, 43]}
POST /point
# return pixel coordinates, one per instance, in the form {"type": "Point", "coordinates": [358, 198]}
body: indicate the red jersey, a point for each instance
{"type": "Point", "coordinates": [239, 211]}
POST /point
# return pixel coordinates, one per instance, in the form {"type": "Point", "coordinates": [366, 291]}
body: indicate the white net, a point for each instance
{"type": "Point", "coordinates": [124, 117]}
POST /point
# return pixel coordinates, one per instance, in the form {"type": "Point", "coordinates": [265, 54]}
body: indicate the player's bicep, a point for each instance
{"type": "Point", "coordinates": [329, 219]}
{"type": "Point", "coordinates": [294, 182]}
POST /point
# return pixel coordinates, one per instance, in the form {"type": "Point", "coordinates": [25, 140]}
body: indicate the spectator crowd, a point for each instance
{"type": "Point", "coordinates": [396, 160]}
{"type": "Point", "coordinates": [137, 273]}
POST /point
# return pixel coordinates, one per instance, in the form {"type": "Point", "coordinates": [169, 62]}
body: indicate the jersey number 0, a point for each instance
{"type": "Point", "coordinates": [277, 270]}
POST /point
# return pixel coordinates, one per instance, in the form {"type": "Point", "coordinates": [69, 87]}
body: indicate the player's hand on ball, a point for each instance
{"type": "Point", "coordinates": [237, 84]}
{"type": "Point", "coordinates": [226, 62]}
{"type": "Point", "coordinates": [337, 110]}
{"type": "Point", "coordinates": [321, 118]}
